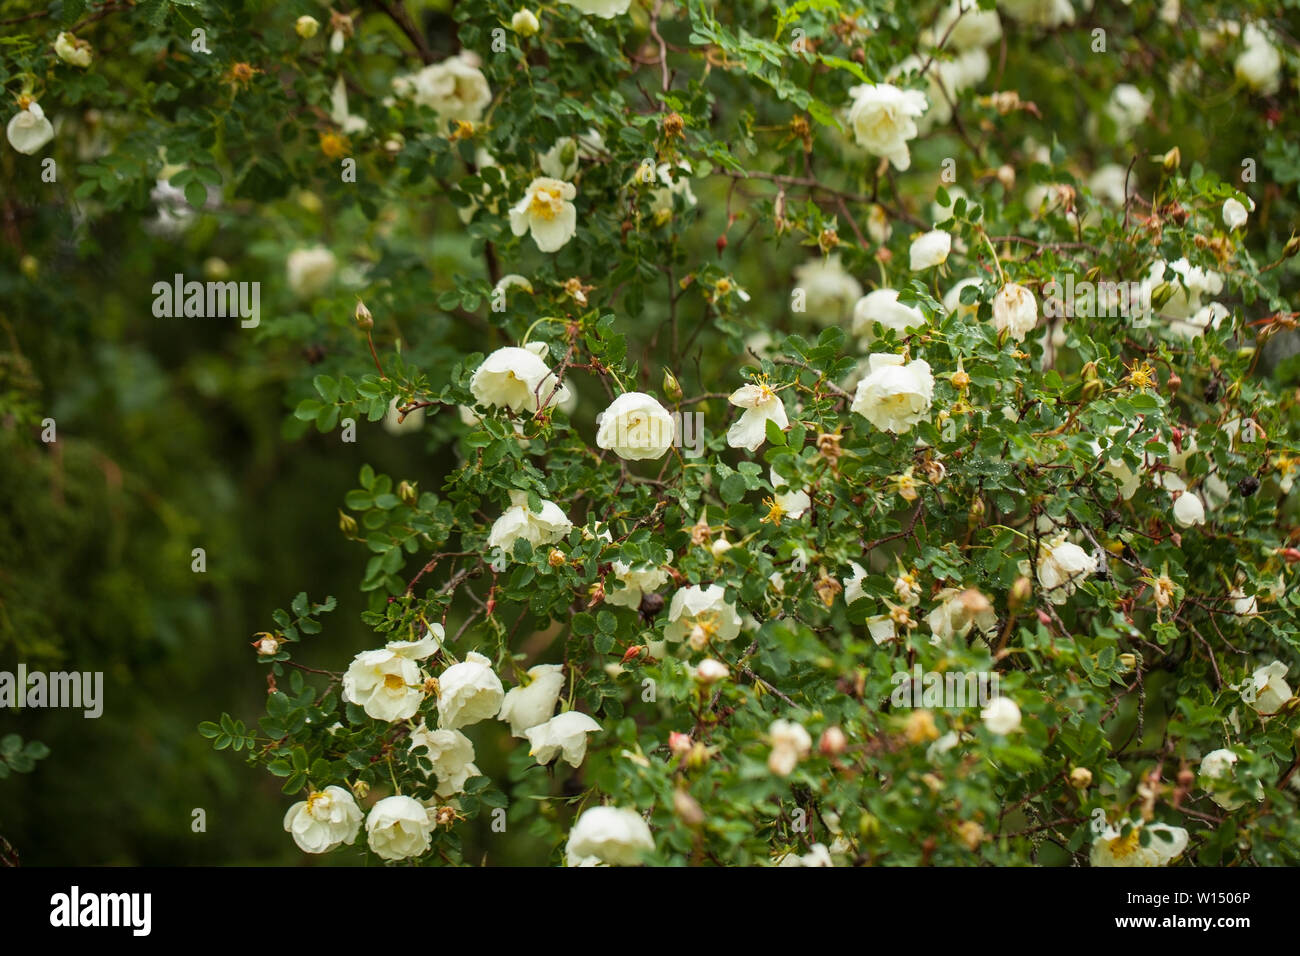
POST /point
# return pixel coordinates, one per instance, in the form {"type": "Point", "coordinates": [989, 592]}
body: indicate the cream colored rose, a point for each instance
{"type": "Point", "coordinates": [309, 271]}
{"type": "Point", "coordinates": [704, 608]}
{"type": "Point", "coordinates": [565, 734]}
{"type": "Point", "coordinates": [533, 703]}
{"type": "Point", "coordinates": [29, 130]}
{"type": "Point", "coordinates": [636, 427]}
{"type": "Point", "coordinates": [635, 582]}
{"type": "Point", "coordinates": [455, 89]}
{"type": "Point", "coordinates": [1165, 844]}
{"type": "Point", "coordinates": [73, 51]}
{"type": "Point", "coordinates": [519, 521]}
{"type": "Point", "coordinates": [825, 291]}
{"type": "Point", "coordinates": [452, 756]}
{"type": "Point", "coordinates": [1062, 565]}
{"type": "Point", "coordinates": [386, 685]}
{"type": "Point", "coordinates": [882, 306]}
{"type": "Point", "coordinates": [894, 395]}
{"type": "Point", "coordinates": [546, 213]}
{"type": "Point", "coordinates": [883, 119]}
{"type": "Point", "coordinates": [608, 835]}
{"type": "Point", "coordinates": [518, 379]}
{"type": "Point", "coordinates": [326, 819]}
{"type": "Point", "coordinates": [1001, 716]}
{"type": "Point", "coordinates": [929, 249]}
{"type": "Point", "coordinates": [468, 692]}
{"type": "Point", "coordinates": [399, 828]}
{"type": "Point", "coordinates": [761, 405]}
{"type": "Point", "coordinates": [1015, 311]}
{"type": "Point", "coordinates": [790, 744]}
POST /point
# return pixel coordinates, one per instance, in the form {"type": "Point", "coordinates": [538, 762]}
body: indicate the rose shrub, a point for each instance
{"type": "Point", "coordinates": [766, 352]}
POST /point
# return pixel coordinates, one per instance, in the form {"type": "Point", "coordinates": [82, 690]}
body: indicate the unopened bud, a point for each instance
{"type": "Point", "coordinates": [1080, 778]}
{"type": "Point", "coordinates": [1291, 248]}
{"type": "Point", "coordinates": [347, 524]}
{"type": "Point", "coordinates": [1022, 591]}
{"type": "Point", "coordinates": [408, 493]}
{"type": "Point", "coordinates": [364, 319]}
{"type": "Point", "coordinates": [672, 388]}
{"type": "Point", "coordinates": [687, 808]}
{"type": "Point", "coordinates": [306, 27]}
{"type": "Point", "coordinates": [680, 744]}
{"type": "Point", "coordinates": [975, 514]}
{"type": "Point", "coordinates": [525, 23]}
{"type": "Point", "coordinates": [1171, 161]}
{"type": "Point", "coordinates": [1161, 294]}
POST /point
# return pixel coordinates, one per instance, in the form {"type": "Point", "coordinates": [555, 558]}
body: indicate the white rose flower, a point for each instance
{"type": "Point", "coordinates": [1015, 311]}
{"type": "Point", "coordinates": [1189, 315]}
{"type": "Point", "coordinates": [1107, 183]}
{"type": "Point", "coordinates": [967, 26]}
{"type": "Point", "coordinates": [452, 756]}
{"type": "Point", "coordinates": [387, 685]}
{"type": "Point", "coordinates": [426, 646]}
{"type": "Point", "coordinates": [469, 692]}
{"type": "Point", "coordinates": [1001, 716]}
{"type": "Point", "coordinates": [29, 130]}
{"type": "Point", "coordinates": [1039, 13]}
{"type": "Point", "coordinates": [533, 703]}
{"type": "Point", "coordinates": [636, 582]}
{"type": "Point", "coordinates": [953, 617]}
{"type": "Point", "coordinates": [455, 89]}
{"type": "Point", "coordinates": [73, 51]}
{"type": "Point", "coordinates": [676, 182]}
{"type": "Point", "coordinates": [1062, 565]}
{"type": "Point", "coordinates": [929, 249]}
{"type": "Point", "coordinates": [853, 584]}
{"type": "Point", "coordinates": [518, 379]}
{"type": "Point", "coordinates": [1129, 108]}
{"type": "Point", "coordinates": [309, 271]}
{"type": "Point", "coordinates": [399, 828]}
{"type": "Point", "coordinates": [306, 27]}
{"type": "Point", "coordinates": [546, 213]}
{"type": "Point", "coordinates": [894, 396]}
{"type": "Point", "coordinates": [1217, 778]}
{"type": "Point", "coordinates": [694, 606]}
{"type": "Point", "coordinates": [794, 502]}
{"type": "Point", "coordinates": [547, 526]}
{"type": "Point", "coordinates": [1234, 214]}
{"type": "Point", "coordinates": [829, 293]}
{"type": "Point", "coordinates": [564, 733]}
{"type": "Point", "coordinates": [1242, 605]}
{"type": "Point", "coordinates": [790, 744]}
{"type": "Point", "coordinates": [817, 856]}
{"type": "Point", "coordinates": [1111, 848]}
{"type": "Point", "coordinates": [609, 835]}
{"type": "Point", "coordinates": [883, 119]}
{"type": "Point", "coordinates": [1267, 689]}
{"type": "Point", "coordinates": [1259, 65]}
{"type": "Point", "coordinates": [882, 306]}
{"type": "Point", "coordinates": [524, 22]}
{"type": "Point", "coordinates": [326, 819]}
{"type": "Point", "coordinates": [600, 8]}
{"type": "Point", "coordinates": [878, 227]}
{"type": "Point", "coordinates": [636, 427]}
{"type": "Point", "coordinates": [761, 404]}
{"type": "Point", "coordinates": [1188, 510]}
{"type": "Point", "coordinates": [709, 671]}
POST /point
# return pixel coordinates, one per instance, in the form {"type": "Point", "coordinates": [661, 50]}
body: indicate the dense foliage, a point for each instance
{"type": "Point", "coordinates": [749, 360]}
